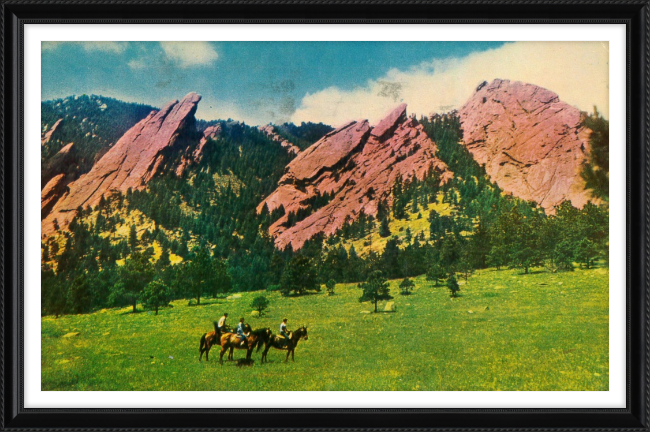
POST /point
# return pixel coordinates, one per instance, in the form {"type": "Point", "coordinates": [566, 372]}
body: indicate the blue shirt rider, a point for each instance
{"type": "Point", "coordinates": [284, 331]}
{"type": "Point", "coordinates": [240, 331]}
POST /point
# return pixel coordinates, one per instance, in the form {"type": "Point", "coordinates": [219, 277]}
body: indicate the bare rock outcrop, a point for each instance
{"type": "Point", "coordinates": [47, 136]}
{"type": "Point", "coordinates": [186, 160]}
{"type": "Point", "coordinates": [61, 162]}
{"type": "Point", "coordinates": [51, 193]}
{"type": "Point", "coordinates": [142, 152]}
{"type": "Point", "coordinates": [531, 143]}
{"type": "Point", "coordinates": [269, 130]}
{"type": "Point", "coordinates": [356, 166]}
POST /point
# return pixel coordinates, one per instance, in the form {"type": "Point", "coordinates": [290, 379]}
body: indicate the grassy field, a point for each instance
{"type": "Point", "coordinates": [507, 331]}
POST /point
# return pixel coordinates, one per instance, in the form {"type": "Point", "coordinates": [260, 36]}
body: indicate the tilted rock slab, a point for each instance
{"type": "Point", "coordinates": [359, 165]}
{"type": "Point", "coordinates": [269, 130]}
{"type": "Point", "coordinates": [139, 155]}
{"type": "Point", "coordinates": [51, 193]}
{"type": "Point", "coordinates": [531, 144]}
{"type": "Point", "coordinates": [47, 136]}
{"type": "Point", "coordinates": [210, 132]}
{"type": "Point", "coordinates": [58, 164]}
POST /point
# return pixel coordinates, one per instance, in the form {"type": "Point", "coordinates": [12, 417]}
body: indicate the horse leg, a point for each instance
{"type": "Point", "coordinates": [207, 351]}
{"type": "Point", "coordinates": [223, 351]}
{"type": "Point", "coordinates": [232, 348]}
{"type": "Point", "coordinates": [287, 358]}
{"type": "Point", "coordinates": [293, 350]}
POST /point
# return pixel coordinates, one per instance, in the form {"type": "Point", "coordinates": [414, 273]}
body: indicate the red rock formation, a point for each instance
{"type": "Point", "coordinates": [358, 165]}
{"type": "Point", "coordinates": [47, 136]}
{"type": "Point", "coordinates": [210, 132]}
{"type": "Point", "coordinates": [269, 130]}
{"type": "Point", "coordinates": [138, 156]}
{"type": "Point", "coordinates": [59, 163]}
{"type": "Point", "coordinates": [531, 143]}
{"type": "Point", "coordinates": [51, 193]}
{"type": "Point", "coordinates": [197, 154]}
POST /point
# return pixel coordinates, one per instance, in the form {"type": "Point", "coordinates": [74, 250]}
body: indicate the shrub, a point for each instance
{"type": "Point", "coordinates": [452, 286]}
{"type": "Point", "coordinates": [330, 284]}
{"type": "Point", "coordinates": [406, 286]}
{"type": "Point", "coordinates": [260, 303]}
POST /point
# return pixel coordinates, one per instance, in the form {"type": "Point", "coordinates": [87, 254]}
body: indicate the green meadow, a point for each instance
{"type": "Point", "coordinates": [507, 331]}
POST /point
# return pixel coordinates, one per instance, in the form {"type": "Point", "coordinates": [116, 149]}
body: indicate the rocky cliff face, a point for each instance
{"type": "Point", "coordinates": [356, 166]}
{"type": "Point", "coordinates": [531, 143]}
{"type": "Point", "coordinates": [62, 162]}
{"type": "Point", "coordinates": [51, 193]}
{"type": "Point", "coordinates": [269, 131]}
{"type": "Point", "coordinates": [140, 154]}
{"type": "Point", "coordinates": [47, 135]}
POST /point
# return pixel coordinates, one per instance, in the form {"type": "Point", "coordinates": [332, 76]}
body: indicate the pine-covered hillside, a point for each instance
{"type": "Point", "coordinates": [180, 208]}
{"type": "Point", "coordinates": [93, 123]}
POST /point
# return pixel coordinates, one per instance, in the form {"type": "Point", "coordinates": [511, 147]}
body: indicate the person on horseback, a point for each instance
{"type": "Point", "coordinates": [285, 332]}
{"type": "Point", "coordinates": [221, 325]}
{"type": "Point", "coordinates": [241, 331]}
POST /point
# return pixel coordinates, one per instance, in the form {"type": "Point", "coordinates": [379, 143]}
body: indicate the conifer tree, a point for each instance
{"type": "Point", "coordinates": [375, 288]}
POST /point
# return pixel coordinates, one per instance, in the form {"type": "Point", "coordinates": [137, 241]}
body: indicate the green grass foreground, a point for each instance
{"type": "Point", "coordinates": [507, 331]}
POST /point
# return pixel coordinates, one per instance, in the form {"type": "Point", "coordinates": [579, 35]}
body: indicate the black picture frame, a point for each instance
{"type": "Point", "coordinates": [634, 14]}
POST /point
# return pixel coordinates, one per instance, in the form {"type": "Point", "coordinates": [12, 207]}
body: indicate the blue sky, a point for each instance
{"type": "Point", "coordinates": [262, 82]}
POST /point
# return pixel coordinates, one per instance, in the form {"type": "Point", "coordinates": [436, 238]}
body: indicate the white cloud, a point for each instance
{"type": "Point", "coordinates": [109, 47]}
{"type": "Point", "coordinates": [102, 46]}
{"type": "Point", "coordinates": [49, 45]}
{"type": "Point", "coordinates": [577, 71]}
{"type": "Point", "coordinates": [188, 54]}
{"type": "Point", "coordinates": [137, 64]}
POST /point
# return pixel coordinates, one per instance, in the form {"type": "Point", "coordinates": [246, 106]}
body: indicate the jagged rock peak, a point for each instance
{"type": "Point", "coordinates": [389, 123]}
{"type": "Point", "coordinates": [356, 167]}
{"type": "Point", "coordinates": [133, 160]}
{"type": "Point", "coordinates": [531, 143]}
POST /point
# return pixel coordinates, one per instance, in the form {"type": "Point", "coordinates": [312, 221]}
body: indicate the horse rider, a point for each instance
{"type": "Point", "coordinates": [284, 331]}
{"type": "Point", "coordinates": [241, 332]}
{"type": "Point", "coordinates": [221, 325]}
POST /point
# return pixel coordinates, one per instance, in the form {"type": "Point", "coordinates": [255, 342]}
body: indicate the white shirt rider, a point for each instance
{"type": "Point", "coordinates": [222, 322]}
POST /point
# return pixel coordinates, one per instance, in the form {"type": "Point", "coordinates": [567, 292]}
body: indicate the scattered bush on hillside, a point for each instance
{"type": "Point", "coordinates": [260, 304]}
{"type": "Point", "coordinates": [452, 286]}
{"type": "Point", "coordinates": [406, 286]}
{"type": "Point", "coordinates": [330, 284]}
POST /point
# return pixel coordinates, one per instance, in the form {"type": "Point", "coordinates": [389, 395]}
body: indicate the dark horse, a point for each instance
{"type": "Point", "coordinates": [280, 343]}
{"type": "Point", "coordinates": [209, 339]}
{"type": "Point", "coordinates": [232, 341]}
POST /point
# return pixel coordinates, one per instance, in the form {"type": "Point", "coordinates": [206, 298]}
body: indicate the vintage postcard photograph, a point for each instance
{"type": "Point", "coordinates": [324, 216]}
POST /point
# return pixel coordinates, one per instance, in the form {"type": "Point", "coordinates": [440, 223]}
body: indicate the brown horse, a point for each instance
{"type": "Point", "coordinates": [278, 342]}
{"type": "Point", "coordinates": [209, 339]}
{"type": "Point", "coordinates": [232, 341]}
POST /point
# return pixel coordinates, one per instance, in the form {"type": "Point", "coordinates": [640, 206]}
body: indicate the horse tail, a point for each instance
{"type": "Point", "coordinates": [259, 345]}
{"type": "Point", "coordinates": [202, 343]}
